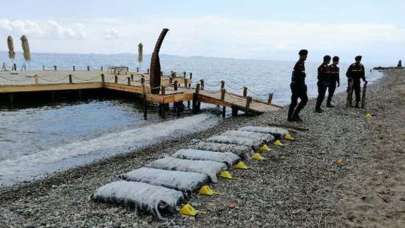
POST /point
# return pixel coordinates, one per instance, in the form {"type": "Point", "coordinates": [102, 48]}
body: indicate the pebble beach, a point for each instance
{"type": "Point", "coordinates": [345, 170]}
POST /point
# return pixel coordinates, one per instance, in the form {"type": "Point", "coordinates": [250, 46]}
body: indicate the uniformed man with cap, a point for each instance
{"type": "Point", "coordinates": [298, 88]}
{"type": "Point", "coordinates": [323, 79]}
{"type": "Point", "coordinates": [354, 73]}
{"type": "Point", "coordinates": [334, 79]}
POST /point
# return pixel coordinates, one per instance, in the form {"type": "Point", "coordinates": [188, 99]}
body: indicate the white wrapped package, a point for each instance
{"type": "Point", "coordinates": [210, 168]}
{"type": "Point", "coordinates": [278, 132]}
{"type": "Point", "coordinates": [154, 199]}
{"type": "Point", "coordinates": [252, 135]}
{"type": "Point", "coordinates": [205, 155]}
{"type": "Point", "coordinates": [235, 140]}
{"type": "Point", "coordinates": [182, 181]}
{"type": "Point", "coordinates": [241, 150]}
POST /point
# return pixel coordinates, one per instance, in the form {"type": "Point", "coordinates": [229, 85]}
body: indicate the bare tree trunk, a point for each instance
{"type": "Point", "coordinates": [155, 70]}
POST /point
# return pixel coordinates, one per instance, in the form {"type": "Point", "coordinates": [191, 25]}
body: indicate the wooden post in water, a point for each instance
{"type": "Point", "coordinates": [132, 77]}
{"type": "Point", "coordinates": [70, 79]}
{"type": "Point", "coordinates": [196, 104]}
{"type": "Point", "coordinates": [162, 107]}
{"type": "Point", "coordinates": [247, 107]}
{"type": "Point", "coordinates": [145, 102]}
{"type": "Point", "coordinates": [115, 79]}
{"type": "Point", "coordinates": [245, 91]}
{"type": "Point", "coordinates": [102, 78]}
{"type": "Point", "coordinates": [223, 99]}
{"type": "Point", "coordinates": [202, 84]}
{"type": "Point", "coordinates": [55, 68]}
{"type": "Point", "coordinates": [270, 99]}
{"type": "Point", "coordinates": [74, 68]}
{"type": "Point", "coordinates": [185, 82]}
{"type": "Point", "coordinates": [88, 68]}
{"type": "Point", "coordinates": [234, 110]}
{"type": "Point", "coordinates": [129, 81]}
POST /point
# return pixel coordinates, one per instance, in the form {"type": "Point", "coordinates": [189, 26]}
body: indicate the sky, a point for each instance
{"type": "Point", "coordinates": [257, 29]}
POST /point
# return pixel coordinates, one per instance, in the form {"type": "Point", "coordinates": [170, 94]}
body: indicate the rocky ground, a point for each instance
{"type": "Point", "coordinates": [346, 170]}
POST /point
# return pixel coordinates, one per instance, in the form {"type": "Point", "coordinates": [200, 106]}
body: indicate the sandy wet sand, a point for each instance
{"type": "Point", "coordinates": [301, 184]}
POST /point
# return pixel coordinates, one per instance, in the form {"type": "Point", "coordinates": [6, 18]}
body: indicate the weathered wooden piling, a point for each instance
{"type": "Point", "coordinates": [129, 81]}
{"type": "Point", "coordinates": [55, 68]}
{"type": "Point", "coordinates": [248, 101]}
{"type": "Point", "coordinates": [102, 78]}
{"type": "Point", "coordinates": [145, 102]}
{"type": "Point", "coordinates": [74, 68]}
{"type": "Point", "coordinates": [88, 68]}
{"type": "Point", "coordinates": [245, 89]}
{"type": "Point", "coordinates": [270, 99]}
{"type": "Point", "coordinates": [115, 79]}
{"type": "Point", "coordinates": [70, 79]}
{"type": "Point", "coordinates": [202, 84]}
{"type": "Point", "coordinates": [196, 103]}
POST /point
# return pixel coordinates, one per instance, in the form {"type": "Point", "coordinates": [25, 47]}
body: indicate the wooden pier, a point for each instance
{"type": "Point", "coordinates": [174, 89]}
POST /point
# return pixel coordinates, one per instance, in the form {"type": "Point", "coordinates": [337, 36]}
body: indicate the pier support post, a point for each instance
{"type": "Point", "coordinates": [223, 91]}
{"type": "Point", "coordinates": [247, 107]}
{"type": "Point", "coordinates": [185, 82]}
{"type": "Point", "coordinates": [70, 79]}
{"type": "Point", "coordinates": [129, 81]}
{"type": "Point", "coordinates": [132, 77]}
{"type": "Point", "coordinates": [102, 78]}
{"type": "Point", "coordinates": [270, 99]}
{"type": "Point", "coordinates": [245, 91]}
{"type": "Point", "coordinates": [162, 107]}
{"type": "Point", "coordinates": [145, 102]}
{"type": "Point", "coordinates": [115, 79]}
{"type": "Point", "coordinates": [11, 98]}
{"type": "Point", "coordinates": [234, 111]}
{"type": "Point", "coordinates": [196, 103]}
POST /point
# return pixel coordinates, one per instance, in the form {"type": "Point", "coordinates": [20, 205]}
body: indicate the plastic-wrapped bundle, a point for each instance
{"type": "Point", "coordinates": [252, 135]}
{"type": "Point", "coordinates": [278, 132]}
{"type": "Point", "coordinates": [236, 140]}
{"type": "Point", "coordinates": [182, 181]}
{"type": "Point", "coordinates": [154, 199]}
{"type": "Point", "coordinates": [210, 168]}
{"type": "Point", "coordinates": [241, 150]}
{"type": "Point", "coordinates": [192, 154]}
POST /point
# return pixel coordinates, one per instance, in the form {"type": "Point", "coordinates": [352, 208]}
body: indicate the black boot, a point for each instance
{"type": "Point", "coordinates": [357, 105]}
{"type": "Point", "coordinates": [297, 118]}
{"type": "Point", "coordinates": [318, 110]}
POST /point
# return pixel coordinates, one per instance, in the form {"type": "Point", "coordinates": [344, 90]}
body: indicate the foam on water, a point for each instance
{"type": "Point", "coordinates": [82, 152]}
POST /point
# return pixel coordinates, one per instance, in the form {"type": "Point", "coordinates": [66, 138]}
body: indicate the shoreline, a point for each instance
{"type": "Point", "coordinates": [273, 186]}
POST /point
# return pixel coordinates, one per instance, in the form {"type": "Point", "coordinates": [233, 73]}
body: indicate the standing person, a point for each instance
{"type": "Point", "coordinates": [354, 73]}
{"type": "Point", "coordinates": [298, 88]}
{"type": "Point", "coordinates": [323, 79]}
{"type": "Point", "coordinates": [334, 79]}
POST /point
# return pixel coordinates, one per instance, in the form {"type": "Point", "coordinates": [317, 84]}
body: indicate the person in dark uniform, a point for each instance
{"type": "Point", "coordinates": [323, 79]}
{"type": "Point", "coordinates": [298, 88]}
{"type": "Point", "coordinates": [334, 79]}
{"type": "Point", "coordinates": [354, 73]}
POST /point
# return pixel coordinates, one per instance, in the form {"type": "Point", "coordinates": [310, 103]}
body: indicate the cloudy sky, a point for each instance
{"type": "Point", "coordinates": [259, 29]}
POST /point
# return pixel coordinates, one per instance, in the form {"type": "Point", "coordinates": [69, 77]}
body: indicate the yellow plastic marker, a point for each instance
{"type": "Point", "coordinates": [263, 148]}
{"type": "Point", "coordinates": [206, 191]}
{"type": "Point", "coordinates": [188, 210]}
{"type": "Point", "coordinates": [368, 116]}
{"type": "Point", "coordinates": [241, 165]}
{"type": "Point", "coordinates": [278, 143]}
{"type": "Point", "coordinates": [289, 137]}
{"type": "Point", "coordinates": [225, 174]}
{"type": "Point", "coordinates": [257, 157]}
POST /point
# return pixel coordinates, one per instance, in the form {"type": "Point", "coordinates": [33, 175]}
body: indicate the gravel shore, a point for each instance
{"type": "Point", "coordinates": [303, 185]}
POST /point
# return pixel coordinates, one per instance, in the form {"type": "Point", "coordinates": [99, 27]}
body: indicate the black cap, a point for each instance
{"type": "Point", "coordinates": [335, 58]}
{"type": "Point", "coordinates": [303, 52]}
{"type": "Point", "coordinates": [326, 58]}
{"type": "Point", "coordinates": [358, 58]}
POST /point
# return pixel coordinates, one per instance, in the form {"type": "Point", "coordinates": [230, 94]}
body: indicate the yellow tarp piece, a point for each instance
{"type": "Point", "coordinates": [188, 210]}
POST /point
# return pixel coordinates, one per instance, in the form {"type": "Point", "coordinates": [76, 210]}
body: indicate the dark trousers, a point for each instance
{"type": "Point", "coordinates": [356, 88]}
{"type": "Point", "coordinates": [331, 91]}
{"type": "Point", "coordinates": [297, 91]}
{"type": "Point", "coordinates": [322, 86]}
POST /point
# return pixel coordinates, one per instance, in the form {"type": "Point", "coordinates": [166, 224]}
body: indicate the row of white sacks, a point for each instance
{"type": "Point", "coordinates": [163, 184]}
